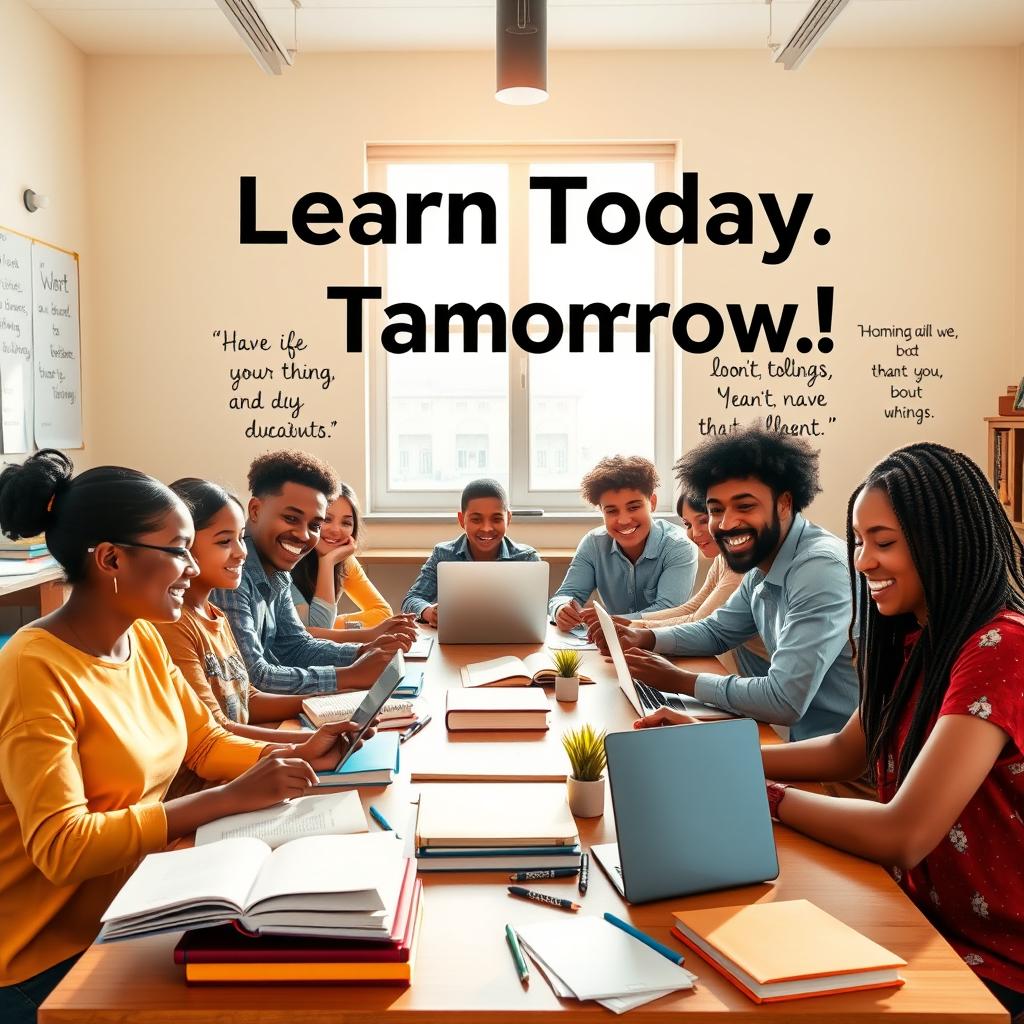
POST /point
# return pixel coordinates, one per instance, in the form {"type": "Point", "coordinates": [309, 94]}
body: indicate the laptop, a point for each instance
{"type": "Point", "coordinates": [498, 602]}
{"type": "Point", "coordinates": [644, 698]}
{"type": "Point", "coordinates": [691, 812]}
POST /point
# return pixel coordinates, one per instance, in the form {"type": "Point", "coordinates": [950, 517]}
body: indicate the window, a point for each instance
{"type": "Point", "coordinates": [536, 423]}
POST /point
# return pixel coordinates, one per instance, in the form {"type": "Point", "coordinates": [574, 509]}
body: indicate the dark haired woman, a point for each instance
{"type": "Point", "coordinates": [941, 716]}
{"type": "Point", "coordinates": [95, 720]}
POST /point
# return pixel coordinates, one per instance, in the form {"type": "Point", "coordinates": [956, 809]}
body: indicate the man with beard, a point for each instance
{"type": "Point", "coordinates": [795, 592]}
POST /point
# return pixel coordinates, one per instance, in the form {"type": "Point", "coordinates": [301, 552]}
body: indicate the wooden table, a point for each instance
{"type": "Point", "coordinates": [464, 972]}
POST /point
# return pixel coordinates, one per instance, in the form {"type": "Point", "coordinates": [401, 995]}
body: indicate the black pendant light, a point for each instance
{"type": "Point", "coordinates": [521, 55]}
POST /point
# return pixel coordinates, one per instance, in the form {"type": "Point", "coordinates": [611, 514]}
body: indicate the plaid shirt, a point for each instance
{"type": "Point", "coordinates": [279, 653]}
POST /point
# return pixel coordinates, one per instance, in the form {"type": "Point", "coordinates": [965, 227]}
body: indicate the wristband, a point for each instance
{"type": "Point", "coordinates": [776, 794]}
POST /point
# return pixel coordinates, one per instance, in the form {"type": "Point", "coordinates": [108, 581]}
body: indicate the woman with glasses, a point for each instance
{"type": "Point", "coordinates": [95, 720]}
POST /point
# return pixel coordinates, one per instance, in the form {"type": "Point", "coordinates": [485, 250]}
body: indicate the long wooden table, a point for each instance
{"type": "Point", "coordinates": [463, 970]}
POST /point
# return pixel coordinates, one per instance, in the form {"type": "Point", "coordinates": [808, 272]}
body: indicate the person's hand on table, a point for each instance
{"type": "Point", "coordinates": [568, 616]}
{"type": "Point", "coordinates": [664, 716]}
{"type": "Point", "coordinates": [391, 642]}
{"type": "Point", "coordinates": [659, 672]}
{"type": "Point", "coordinates": [396, 625]}
{"type": "Point", "coordinates": [429, 615]}
{"type": "Point", "coordinates": [329, 744]}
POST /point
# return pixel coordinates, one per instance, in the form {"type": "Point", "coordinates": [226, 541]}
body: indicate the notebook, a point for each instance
{"type": "Point", "coordinates": [786, 950]}
{"type": "Point", "coordinates": [330, 708]}
{"type": "Point", "coordinates": [511, 671]}
{"type": "Point", "coordinates": [375, 763]}
{"type": "Point", "coordinates": [496, 709]}
{"type": "Point", "coordinates": [503, 814]}
{"type": "Point", "coordinates": [421, 648]}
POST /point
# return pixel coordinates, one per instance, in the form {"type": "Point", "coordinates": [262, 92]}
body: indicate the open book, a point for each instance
{"type": "Point", "coordinates": [348, 885]}
{"type": "Point", "coordinates": [533, 669]}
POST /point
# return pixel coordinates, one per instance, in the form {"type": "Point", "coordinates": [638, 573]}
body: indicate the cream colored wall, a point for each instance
{"type": "Point", "coordinates": [911, 156]}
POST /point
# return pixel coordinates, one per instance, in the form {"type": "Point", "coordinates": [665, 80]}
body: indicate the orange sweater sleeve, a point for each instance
{"type": "Point", "coordinates": [373, 609]}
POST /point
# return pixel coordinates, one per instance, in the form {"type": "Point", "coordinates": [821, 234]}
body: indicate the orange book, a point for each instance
{"type": "Point", "coordinates": [786, 950]}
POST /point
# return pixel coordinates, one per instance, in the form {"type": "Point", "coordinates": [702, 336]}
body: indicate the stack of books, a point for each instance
{"type": "Point", "coordinates": [227, 954]}
{"type": "Point", "coordinates": [495, 827]}
{"type": "Point", "coordinates": [24, 557]}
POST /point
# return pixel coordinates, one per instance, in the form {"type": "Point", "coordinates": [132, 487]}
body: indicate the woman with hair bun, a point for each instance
{"type": "Point", "coordinates": [95, 720]}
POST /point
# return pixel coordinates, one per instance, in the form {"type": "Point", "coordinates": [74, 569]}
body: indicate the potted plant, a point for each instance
{"type": "Point", "coordinates": [567, 674]}
{"type": "Point", "coordinates": [585, 747]}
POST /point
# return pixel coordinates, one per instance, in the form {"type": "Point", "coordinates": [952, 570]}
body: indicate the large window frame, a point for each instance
{"type": "Point", "coordinates": [665, 157]}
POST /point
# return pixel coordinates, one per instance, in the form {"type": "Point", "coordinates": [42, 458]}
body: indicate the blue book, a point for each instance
{"type": "Point", "coordinates": [410, 686]}
{"type": "Point", "coordinates": [497, 851]}
{"type": "Point", "coordinates": [375, 763]}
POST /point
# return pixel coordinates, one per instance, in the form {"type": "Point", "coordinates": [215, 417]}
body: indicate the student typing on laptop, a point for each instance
{"type": "Point", "coordinates": [794, 592]}
{"type": "Point", "coordinates": [485, 517]}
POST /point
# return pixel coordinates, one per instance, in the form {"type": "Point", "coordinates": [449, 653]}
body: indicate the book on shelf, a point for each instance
{"type": "Point", "coordinates": [320, 814]}
{"type": "Point", "coordinates": [341, 886]}
{"type": "Point", "coordinates": [26, 567]}
{"type": "Point", "coordinates": [375, 763]}
{"type": "Point", "coordinates": [32, 554]}
{"type": "Point", "coordinates": [498, 815]}
{"type": "Point", "coordinates": [331, 708]}
{"type": "Point", "coordinates": [23, 544]}
{"type": "Point", "coordinates": [534, 669]}
{"type": "Point", "coordinates": [486, 709]}
{"type": "Point", "coordinates": [786, 950]}
{"type": "Point", "coordinates": [226, 954]}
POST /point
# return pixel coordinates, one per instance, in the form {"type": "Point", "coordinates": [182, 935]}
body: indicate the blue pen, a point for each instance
{"type": "Point", "coordinates": [677, 958]}
{"type": "Point", "coordinates": [381, 820]}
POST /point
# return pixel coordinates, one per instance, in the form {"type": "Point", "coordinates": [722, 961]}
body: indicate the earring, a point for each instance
{"type": "Point", "coordinates": [115, 584]}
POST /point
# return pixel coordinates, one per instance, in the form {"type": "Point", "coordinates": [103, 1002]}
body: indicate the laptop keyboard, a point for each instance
{"type": "Point", "coordinates": [652, 699]}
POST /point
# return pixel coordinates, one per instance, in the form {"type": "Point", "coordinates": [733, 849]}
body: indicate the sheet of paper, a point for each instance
{"type": "Point", "coordinates": [316, 815]}
{"type": "Point", "coordinates": [16, 341]}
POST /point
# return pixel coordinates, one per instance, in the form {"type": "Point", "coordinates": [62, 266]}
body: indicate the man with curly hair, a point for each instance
{"type": "Point", "coordinates": [290, 491]}
{"type": "Point", "coordinates": [636, 563]}
{"type": "Point", "coordinates": [795, 592]}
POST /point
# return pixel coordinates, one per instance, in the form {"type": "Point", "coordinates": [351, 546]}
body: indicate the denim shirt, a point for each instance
{"type": "Point", "coordinates": [802, 610]}
{"type": "Point", "coordinates": [423, 593]}
{"type": "Point", "coordinates": [662, 576]}
{"type": "Point", "coordinates": [279, 653]}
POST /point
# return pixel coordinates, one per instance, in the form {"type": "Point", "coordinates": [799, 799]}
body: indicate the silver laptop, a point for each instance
{"type": "Point", "coordinates": [691, 812]}
{"type": "Point", "coordinates": [498, 602]}
{"type": "Point", "coordinates": [644, 698]}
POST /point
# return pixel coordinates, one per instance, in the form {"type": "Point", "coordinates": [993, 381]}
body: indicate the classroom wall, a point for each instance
{"type": "Point", "coordinates": [912, 157]}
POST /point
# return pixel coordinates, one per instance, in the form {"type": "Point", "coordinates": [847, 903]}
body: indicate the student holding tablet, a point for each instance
{"type": "Point", "coordinates": [484, 517]}
{"type": "Point", "coordinates": [637, 564]}
{"type": "Point", "coordinates": [95, 719]}
{"type": "Point", "coordinates": [941, 719]}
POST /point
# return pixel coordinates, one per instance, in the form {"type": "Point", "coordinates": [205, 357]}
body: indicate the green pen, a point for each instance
{"type": "Point", "coordinates": [517, 954]}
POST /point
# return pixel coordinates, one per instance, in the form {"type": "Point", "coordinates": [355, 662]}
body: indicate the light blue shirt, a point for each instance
{"type": "Point", "coordinates": [802, 610]}
{"type": "Point", "coordinates": [662, 576]}
{"type": "Point", "coordinates": [278, 652]}
{"type": "Point", "coordinates": [423, 593]}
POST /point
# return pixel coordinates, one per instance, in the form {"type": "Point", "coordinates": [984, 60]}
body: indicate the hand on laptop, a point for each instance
{"type": "Point", "coordinates": [429, 615]}
{"type": "Point", "coordinates": [664, 716]}
{"type": "Point", "coordinates": [568, 616]}
{"type": "Point", "coordinates": [658, 672]}
{"type": "Point", "coordinates": [399, 625]}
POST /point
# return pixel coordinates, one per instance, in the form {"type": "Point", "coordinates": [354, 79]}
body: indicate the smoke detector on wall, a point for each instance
{"type": "Point", "coordinates": [247, 21]}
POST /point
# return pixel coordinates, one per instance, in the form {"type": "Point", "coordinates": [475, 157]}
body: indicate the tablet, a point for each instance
{"type": "Point", "coordinates": [376, 697]}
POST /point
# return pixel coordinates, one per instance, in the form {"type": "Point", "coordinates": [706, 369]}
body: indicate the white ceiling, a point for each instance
{"type": "Point", "coordinates": [332, 26]}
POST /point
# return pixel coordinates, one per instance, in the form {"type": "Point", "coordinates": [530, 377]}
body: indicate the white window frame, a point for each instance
{"type": "Point", "coordinates": [665, 155]}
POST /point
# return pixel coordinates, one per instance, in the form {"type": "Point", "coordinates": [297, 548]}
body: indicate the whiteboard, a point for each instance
{"type": "Point", "coordinates": [57, 367]}
{"type": "Point", "coordinates": [15, 342]}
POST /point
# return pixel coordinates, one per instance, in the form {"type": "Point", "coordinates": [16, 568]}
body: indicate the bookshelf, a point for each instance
{"type": "Point", "coordinates": [1006, 464]}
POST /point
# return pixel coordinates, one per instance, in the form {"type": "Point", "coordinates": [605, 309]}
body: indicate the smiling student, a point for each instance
{"type": "Point", "coordinates": [636, 563]}
{"type": "Point", "coordinates": [287, 508]}
{"type": "Point", "coordinates": [484, 517]}
{"type": "Point", "coordinates": [794, 593]}
{"type": "Point", "coordinates": [95, 719]}
{"type": "Point", "coordinates": [331, 571]}
{"type": "Point", "coordinates": [941, 717]}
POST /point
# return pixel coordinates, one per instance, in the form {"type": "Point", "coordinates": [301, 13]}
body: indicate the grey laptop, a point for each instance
{"type": "Point", "coordinates": [691, 812]}
{"type": "Point", "coordinates": [498, 602]}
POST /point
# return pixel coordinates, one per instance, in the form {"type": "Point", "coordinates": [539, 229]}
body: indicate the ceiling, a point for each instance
{"type": "Point", "coordinates": [332, 26]}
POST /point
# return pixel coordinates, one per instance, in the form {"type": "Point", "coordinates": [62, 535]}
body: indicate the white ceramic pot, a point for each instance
{"type": "Point", "coordinates": [586, 799]}
{"type": "Point", "coordinates": [567, 688]}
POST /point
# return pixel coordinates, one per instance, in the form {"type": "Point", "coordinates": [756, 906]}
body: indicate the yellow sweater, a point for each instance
{"type": "Point", "coordinates": [88, 748]}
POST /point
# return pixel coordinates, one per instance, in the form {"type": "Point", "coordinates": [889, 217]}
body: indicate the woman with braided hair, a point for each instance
{"type": "Point", "coordinates": [940, 659]}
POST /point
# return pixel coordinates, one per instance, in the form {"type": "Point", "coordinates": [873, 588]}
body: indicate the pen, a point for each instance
{"type": "Point", "coordinates": [532, 876]}
{"type": "Point", "coordinates": [517, 954]}
{"type": "Point", "coordinates": [381, 820]}
{"type": "Point", "coordinates": [677, 958]}
{"type": "Point", "coordinates": [413, 729]}
{"type": "Point", "coordinates": [539, 897]}
{"type": "Point", "coordinates": [584, 873]}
